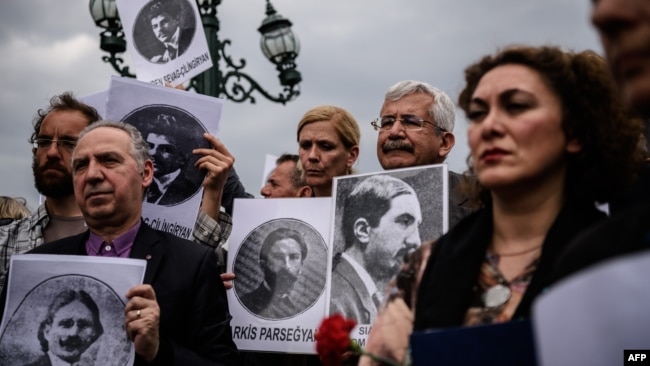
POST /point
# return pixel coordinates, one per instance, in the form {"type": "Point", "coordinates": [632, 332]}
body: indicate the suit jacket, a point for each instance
{"type": "Point", "coordinates": [349, 295]}
{"type": "Point", "coordinates": [185, 36]}
{"type": "Point", "coordinates": [42, 361]}
{"type": "Point", "coordinates": [178, 191]}
{"type": "Point", "coordinates": [446, 289]}
{"type": "Point", "coordinates": [194, 317]}
{"type": "Point", "coordinates": [257, 299]}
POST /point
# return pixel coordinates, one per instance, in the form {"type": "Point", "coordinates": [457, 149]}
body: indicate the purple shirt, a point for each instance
{"type": "Point", "coordinates": [120, 247]}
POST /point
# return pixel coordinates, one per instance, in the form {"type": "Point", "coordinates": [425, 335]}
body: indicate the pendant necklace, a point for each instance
{"type": "Point", "coordinates": [499, 294]}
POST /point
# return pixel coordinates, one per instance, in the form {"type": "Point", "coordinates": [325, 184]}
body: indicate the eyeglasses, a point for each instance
{"type": "Point", "coordinates": [67, 145]}
{"type": "Point", "coordinates": [410, 123]}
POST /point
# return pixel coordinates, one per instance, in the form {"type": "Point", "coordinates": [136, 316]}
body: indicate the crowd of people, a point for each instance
{"type": "Point", "coordinates": [551, 133]}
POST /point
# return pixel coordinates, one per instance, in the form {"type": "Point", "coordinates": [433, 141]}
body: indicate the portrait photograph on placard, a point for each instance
{"type": "Point", "coordinates": [172, 122]}
{"type": "Point", "coordinates": [63, 310]}
{"type": "Point", "coordinates": [172, 133]}
{"type": "Point", "coordinates": [378, 219]}
{"type": "Point", "coordinates": [278, 252]}
{"type": "Point", "coordinates": [169, 43]}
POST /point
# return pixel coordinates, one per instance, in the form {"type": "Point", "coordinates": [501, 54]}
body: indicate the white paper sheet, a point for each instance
{"type": "Point", "coordinates": [253, 221]}
{"type": "Point", "coordinates": [430, 184]}
{"type": "Point", "coordinates": [36, 280]}
{"type": "Point", "coordinates": [141, 105]}
{"type": "Point", "coordinates": [148, 52]}
{"type": "Point", "coordinates": [593, 316]}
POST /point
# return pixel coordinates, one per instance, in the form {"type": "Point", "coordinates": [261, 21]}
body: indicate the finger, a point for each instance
{"type": "Point", "coordinates": [144, 291]}
{"type": "Point", "coordinates": [217, 144]}
{"type": "Point", "coordinates": [228, 276]}
{"type": "Point", "coordinates": [218, 161]}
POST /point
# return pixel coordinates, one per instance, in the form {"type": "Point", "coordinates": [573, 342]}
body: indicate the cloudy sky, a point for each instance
{"type": "Point", "coordinates": [352, 51]}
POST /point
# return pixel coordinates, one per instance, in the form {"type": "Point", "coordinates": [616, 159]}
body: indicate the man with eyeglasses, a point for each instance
{"type": "Point", "coordinates": [415, 128]}
{"type": "Point", "coordinates": [54, 137]}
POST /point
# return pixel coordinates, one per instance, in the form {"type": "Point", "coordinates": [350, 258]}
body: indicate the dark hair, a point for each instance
{"type": "Point", "coordinates": [64, 298]}
{"type": "Point", "coordinates": [370, 199]}
{"type": "Point", "coordinates": [297, 179]}
{"type": "Point", "coordinates": [592, 113]}
{"type": "Point", "coordinates": [168, 7]}
{"type": "Point", "coordinates": [63, 102]}
{"type": "Point", "coordinates": [279, 234]}
{"type": "Point", "coordinates": [177, 133]}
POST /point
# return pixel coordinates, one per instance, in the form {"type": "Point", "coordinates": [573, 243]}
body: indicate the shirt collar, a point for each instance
{"type": "Point", "coordinates": [122, 244]}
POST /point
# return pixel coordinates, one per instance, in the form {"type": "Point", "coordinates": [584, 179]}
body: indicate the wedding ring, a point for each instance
{"type": "Point", "coordinates": [137, 313]}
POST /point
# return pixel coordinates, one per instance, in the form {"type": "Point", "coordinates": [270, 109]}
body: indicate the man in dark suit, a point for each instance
{"type": "Point", "coordinates": [179, 316]}
{"type": "Point", "coordinates": [423, 136]}
{"type": "Point", "coordinates": [380, 226]}
{"type": "Point", "coordinates": [165, 21]}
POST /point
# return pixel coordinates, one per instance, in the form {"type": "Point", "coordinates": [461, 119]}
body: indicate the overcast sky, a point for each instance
{"type": "Point", "coordinates": [352, 51]}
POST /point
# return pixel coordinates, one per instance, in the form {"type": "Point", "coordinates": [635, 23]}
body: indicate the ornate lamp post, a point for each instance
{"type": "Point", "coordinates": [278, 43]}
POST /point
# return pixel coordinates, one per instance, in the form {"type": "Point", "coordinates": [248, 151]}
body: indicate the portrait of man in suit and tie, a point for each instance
{"type": "Point", "coordinates": [164, 30]}
{"type": "Point", "coordinates": [171, 135]}
{"type": "Point", "coordinates": [380, 225]}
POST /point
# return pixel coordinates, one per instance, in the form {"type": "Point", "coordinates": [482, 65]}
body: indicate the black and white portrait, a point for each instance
{"type": "Point", "coordinates": [380, 219]}
{"type": "Point", "coordinates": [164, 30]}
{"type": "Point", "coordinates": [172, 133]}
{"type": "Point", "coordinates": [280, 269]}
{"type": "Point", "coordinates": [67, 320]}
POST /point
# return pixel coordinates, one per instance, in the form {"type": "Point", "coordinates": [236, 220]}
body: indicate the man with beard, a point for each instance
{"type": "Point", "coordinates": [423, 136]}
{"type": "Point", "coordinates": [380, 224]}
{"type": "Point", "coordinates": [54, 137]}
{"type": "Point", "coordinates": [281, 258]}
{"type": "Point", "coordinates": [70, 327]}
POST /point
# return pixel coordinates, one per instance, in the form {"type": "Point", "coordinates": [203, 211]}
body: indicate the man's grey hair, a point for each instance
{"type": "Point", "coordinates": [139, 147]}
{"type": "Point", "coordinates": [442, 110]}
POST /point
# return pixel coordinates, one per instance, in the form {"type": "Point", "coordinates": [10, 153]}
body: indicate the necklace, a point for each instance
{"type": "Point", "coordinates": [513, 254]}
{"type": "Point", "coordinates": [500, 293]}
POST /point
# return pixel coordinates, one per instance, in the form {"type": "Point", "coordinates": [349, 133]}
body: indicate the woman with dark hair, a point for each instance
{"type": "Point", "coordinates": [549, 137]}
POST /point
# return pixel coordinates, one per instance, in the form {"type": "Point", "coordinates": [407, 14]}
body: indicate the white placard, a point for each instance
{"type": "Point", "coordinates": [262, 319]}
{"type": "Point", "coordinates": [378, 218]}
{"type": "Point", "coordinates": [166, 39]}
{"type": "Point", "coordinates": [593, 316]}
{"type": "Point", "coordinates": [172, 122]}
{"type": "Point", "coordinates": [41, 286]}
{"type": "Point", "coordinates": [269, 165]}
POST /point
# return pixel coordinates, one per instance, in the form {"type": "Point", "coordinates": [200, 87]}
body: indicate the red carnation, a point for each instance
{"type": "Point", "coordinates": [333, 339]}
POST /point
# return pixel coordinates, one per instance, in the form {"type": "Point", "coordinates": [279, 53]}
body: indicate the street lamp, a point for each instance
{"type": "Point", "coordinates": [279, 44]}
